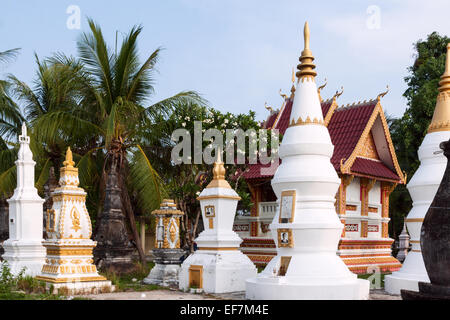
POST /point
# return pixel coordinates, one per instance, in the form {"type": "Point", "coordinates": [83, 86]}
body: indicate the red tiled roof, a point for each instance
{"type": "Point", "coordinates": [259, 170]}
{"type": "Point", "coordinates": [325, 107]}
{"type": "Point", "coordinates": [345, 127]}
{"type": "Point", "coordinates": [269, 122]}
{"type": "Point", "coordinates": [283, 121]}
{"type": "Point", "coordinates": [373, 168]}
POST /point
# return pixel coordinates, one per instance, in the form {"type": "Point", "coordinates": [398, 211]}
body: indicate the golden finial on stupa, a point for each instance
{"type": "Point", "coordinates": [69, 159]}
{"type": "Point", "coordinates": [306, 66]}
{"type": "Point", "coordinates": [218, 180]}
{"type": "Point", "coordinates": [293, 84]}
{"type": "Point", "coordinates": [441, 116]}
{"type": "Point", "coordinates": [320, 89]}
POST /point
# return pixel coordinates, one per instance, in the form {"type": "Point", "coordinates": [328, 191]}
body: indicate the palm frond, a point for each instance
{"type": "Point", "coordinates": [170, 104]}
{"type": "Point", "coordinates": [8, 55]}
{"type": "Point", "coordinates": [43, 175]}
{"type": "Point", "coordinates": [146, 182]}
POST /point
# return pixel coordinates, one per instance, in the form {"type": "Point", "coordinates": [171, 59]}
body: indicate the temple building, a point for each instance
{"type": "Point", "coordinates": [365, 160]}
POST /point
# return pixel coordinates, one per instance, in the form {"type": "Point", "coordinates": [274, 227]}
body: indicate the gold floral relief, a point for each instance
{"type": "Point", "coordinates": [173, 231]}
{"type": "Point", "coordinates": [75, 216]}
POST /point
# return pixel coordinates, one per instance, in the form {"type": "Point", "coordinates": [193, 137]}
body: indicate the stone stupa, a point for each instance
{"type": "Point", "coordinates": [306, 229]}
{"type": "Point", "coordinates": [422, 188]}
{"type": "Point", "coordinates": [24, 247]}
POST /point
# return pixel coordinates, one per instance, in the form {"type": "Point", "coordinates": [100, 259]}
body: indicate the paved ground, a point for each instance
{"type": "Point", "coordinates": [178, 295]}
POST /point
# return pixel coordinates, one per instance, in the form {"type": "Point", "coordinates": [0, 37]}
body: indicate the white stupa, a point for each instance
{"type": "Point", "coordinates": [423, 187]}
{"type": "Point", "coordinates": [218, 266]}
{"type": "Point", "coordinates": [306, 229]}
{"type": "Point", "coordinates": [69, 261]}
{"type": "Point", "coordinates": [24, 247]}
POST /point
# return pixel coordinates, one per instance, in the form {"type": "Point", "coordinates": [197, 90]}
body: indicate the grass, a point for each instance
{"type": "Point", "coordinates": [368, 275]}
{"type": "Point", "coordinates": [132, 281]}
{"type": "Point", "coordinates": [21, 287]}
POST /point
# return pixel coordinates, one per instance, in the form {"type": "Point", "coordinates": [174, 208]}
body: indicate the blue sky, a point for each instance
{"type": "Point", "coordinates": [238, 54]}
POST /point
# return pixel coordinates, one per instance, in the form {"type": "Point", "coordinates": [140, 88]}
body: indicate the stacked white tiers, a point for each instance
{"type": "Point", "coordinates": [24, 247]}
{"type": "Point", "coordinates": [423, 187]}
{"type": "Point", "coordinates": [218, 266]}
{"type": "Point", "coordinates": [308, 232]}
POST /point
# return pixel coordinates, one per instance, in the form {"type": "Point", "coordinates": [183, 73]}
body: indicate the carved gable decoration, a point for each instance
{"type": "Point", "coordinates": [368, 148]}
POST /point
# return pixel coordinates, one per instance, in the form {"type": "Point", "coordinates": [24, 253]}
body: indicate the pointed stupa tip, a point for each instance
{"type": "Point", "coordinates": [306, 66]}
{"type": "Point", "coordinates": [219, 169]}
{"type": "Point", "coordinates": [441, 116]}
{"type": "Point", "coordinates": [218, 180]}
{"type": "Point", "coordinates": [69, 159]}
{"type": "Point", "coordinates": [24, 129]}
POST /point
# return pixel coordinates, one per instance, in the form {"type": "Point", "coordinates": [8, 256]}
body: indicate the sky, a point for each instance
{"type": "Point", "coordinates": [238, 54]}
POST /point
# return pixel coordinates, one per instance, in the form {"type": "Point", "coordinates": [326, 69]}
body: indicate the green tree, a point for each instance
{"type": "Point", "coordinates": [107, 116]}
{"type": "Point", "coordinates": [186, 180]}
{"type": "Point", "coordinates": [408, 131]}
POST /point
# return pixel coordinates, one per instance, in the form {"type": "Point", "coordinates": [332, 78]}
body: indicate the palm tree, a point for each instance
{"type": "Point", "coordinates": [10, 123]}
{"type": "Point", "coordinates": [109, 117]}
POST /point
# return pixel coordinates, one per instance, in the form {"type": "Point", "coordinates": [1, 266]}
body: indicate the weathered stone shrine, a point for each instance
{"type": "Point", "coordinates": [167, 250]}
{"type": "Point", "coordinates": [114, 248]}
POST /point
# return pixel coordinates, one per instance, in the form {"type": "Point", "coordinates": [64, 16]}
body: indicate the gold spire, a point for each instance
{"type": "Point", "coordinates": [218, 180]}
{"type": "Point", "coordinates": [441, 116]}
{"type": "Point", "coordinates": [320, 89]}
{"type": "Point", "coordinates": [293, 84]}
{"type": "Point", "coordinates": [306, 66]}
{"type": "Point", "coordinates": [69, 160]}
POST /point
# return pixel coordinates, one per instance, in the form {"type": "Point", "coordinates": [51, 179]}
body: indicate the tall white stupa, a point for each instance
{"type": "Point", "coordinates": [24, 247]}
{"type": "Point", "coordinates": [423, 187]}
{"type": "Point", "coordinates": [218, 266]}
{"type": "Point", "coordinates": [306, 229]}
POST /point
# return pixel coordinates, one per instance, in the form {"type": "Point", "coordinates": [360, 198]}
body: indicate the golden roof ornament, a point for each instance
{"type": "Point", "coordinates": [306, 66]}
{"type": "Point", "coordinates": [293, 84]}
{"type": "Point", "coordinates": [218, 180]}
{"type": "Point", "coordinates": [320, 89]}
{"type": "Point", "coordinates": [68, 173]}
{"type": "Point", "coordinates": [381, 95]}
{"type": "Point", "coordinates": [69, 159]}
{"type": "Point", "coordinates": [441, 116]}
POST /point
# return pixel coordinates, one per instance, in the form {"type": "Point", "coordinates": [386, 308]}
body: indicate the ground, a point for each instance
{"type": "Point", "coordinates": [179, 295]}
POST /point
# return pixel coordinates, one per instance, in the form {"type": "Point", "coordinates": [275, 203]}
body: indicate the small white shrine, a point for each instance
{"type": "Point", "coordinates": [217, 266]}
{"type": "Point", "coordinates": [24, 247]}
{"type": "Point", "coordinates": [69, 260]}
{"type": "Point", "coordinates": [423, 187]}
{"type": "Point", "coordinates": [306, 228]}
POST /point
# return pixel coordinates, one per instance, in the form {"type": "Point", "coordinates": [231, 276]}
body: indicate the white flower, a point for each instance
{"type": "Point", "coordinates": [184, 124]}
{"type": "Point", "coordinates": [226, 121]}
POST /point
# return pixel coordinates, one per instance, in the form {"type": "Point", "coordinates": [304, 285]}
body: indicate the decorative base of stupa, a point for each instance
{"type": "Point", "coordinates": [165, 275]}
{"type": "Point", "coordinates": [216, 271]}
{"type": "Point", "coordinates": [367, 257]}
{"type": "Point", "coordinates": [24, 254]}
{"type": "Point", "coordinates": [427, 291]}
{"type": "Point", "coordinates": [78, 286]}
{"type": "Point", "coordinates": [408, 277]}
{"type": "Point", "coordinates": [280, 288]}
{"type": "Point", "coordinates": [324, 277]}
{"type": "Point", "coordinates": [119, 260]}
{"type": "Point", "coordinates": [166, 269]}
